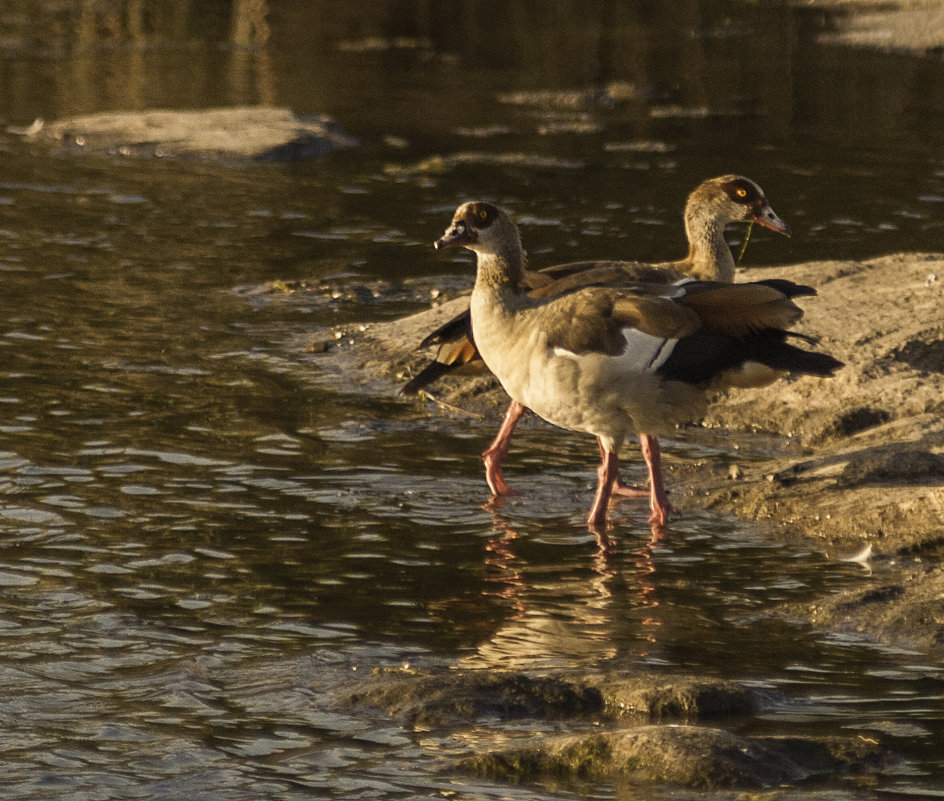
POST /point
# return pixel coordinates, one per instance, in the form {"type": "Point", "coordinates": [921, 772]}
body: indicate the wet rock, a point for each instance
{"type": "Point", "coordinates": [580, 100]}
{"type": "Point", "coordinates": [445, 164]}
{"type": "Point", "coordinates": [437, 698]}
{"type": "Point", "coordinates": [317, 290]}
{"type": "Point", "coordinates": [890, 466]}
{"type": "Point", "coordinates": [908, 612]}
{"type": "Point", "coordinates": [424, 700]}
{"type": "Point", "coordinates": [685, 698]}
{"type": "Point", "coordinates": [902, 25]}
{"type": "Point", "coordinates": [878, 595]}
{"type": "Point", "coordinates": [693, 756]}
{"type": "Point", "coordinates": [256, 133]}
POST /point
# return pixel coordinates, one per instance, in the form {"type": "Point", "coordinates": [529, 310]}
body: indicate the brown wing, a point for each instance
{"type": "Point", "coordinates": [740, 309]}
{"type": "Point", "coordinates": [581, 274]}
{"type": "Point", "coordinates": [592, 321]}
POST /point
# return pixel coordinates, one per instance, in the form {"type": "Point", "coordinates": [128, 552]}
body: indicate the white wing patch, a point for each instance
{"type": "Point", "coordinates": [644, 352]}
{"type": "Point", "coordinates": [752, 374]}
{"type": "Point", "coordinates": [680, 287]}
{"type": "Point", "coordinates": [563, 353]}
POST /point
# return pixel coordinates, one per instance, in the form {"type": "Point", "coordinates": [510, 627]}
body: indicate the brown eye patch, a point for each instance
{"type": "Point", "coordinates": [741, 191]}
{"type": "Point", "coordinates": [482, 215]}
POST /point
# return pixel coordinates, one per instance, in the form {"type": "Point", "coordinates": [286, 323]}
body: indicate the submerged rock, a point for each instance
{"type": "Point", "coordinates": [257, 133]}
{"type": "Point", "coordinates": [908, 611]}
{"type": "Point", "coordinates": [435, 699]}
{"type": "Point", "coordinates": [679, 698]}
{"type": "Point", "coordinates": [698, 756]}
{"type": "Point", "coordinates": [424, 699]}
{"type": "Point", "coordinates": [693, 756]}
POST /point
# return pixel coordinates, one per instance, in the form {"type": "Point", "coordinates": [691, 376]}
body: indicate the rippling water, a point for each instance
{"type": "Point", "coordinates": [207, 532]}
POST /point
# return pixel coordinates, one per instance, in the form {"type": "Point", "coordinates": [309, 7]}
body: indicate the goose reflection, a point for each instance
{"type": "Point", "coordinates": [564, 614]}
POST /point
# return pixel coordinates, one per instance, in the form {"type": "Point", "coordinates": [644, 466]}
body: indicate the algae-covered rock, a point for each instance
{"type": "Point", "coordinates": [890, 465]}
{"type": "Point", "coordinates": [424, 699]}
{"type": "Point", "coordinates": [683, 698]}
{"type": "Point", "coordinates": [693, 756]}
{"type": "Point", "coordinates": [437, 698]}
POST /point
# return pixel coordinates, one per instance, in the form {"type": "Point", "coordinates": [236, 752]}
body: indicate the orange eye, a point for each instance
{"type": "Point", "coordinates": [742, 192]}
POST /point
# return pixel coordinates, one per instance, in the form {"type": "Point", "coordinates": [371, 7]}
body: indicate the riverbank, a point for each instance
{"type": "Point", "coordinates": [913, 26]}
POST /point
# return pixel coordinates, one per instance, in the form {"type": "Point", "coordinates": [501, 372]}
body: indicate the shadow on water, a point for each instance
{"type": "Point", "coordinates": [206, 534]}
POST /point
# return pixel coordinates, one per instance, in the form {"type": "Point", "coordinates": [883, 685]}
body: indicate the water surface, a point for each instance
{"type": "Point", "coordinates": [206, 531]}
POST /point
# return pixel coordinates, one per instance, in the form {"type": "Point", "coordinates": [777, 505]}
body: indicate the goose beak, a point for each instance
{"type": "Point", "coordinates": [769, 219]}
{"type": "Point", "coordinates": [457, 235]}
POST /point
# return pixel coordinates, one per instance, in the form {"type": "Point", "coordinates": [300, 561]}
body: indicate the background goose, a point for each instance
{"type": "Point", "coordinates": [611, 361]}
{"type": "Point", "coordinates": [714, 204]}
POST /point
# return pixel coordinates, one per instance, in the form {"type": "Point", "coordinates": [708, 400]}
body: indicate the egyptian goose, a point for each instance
{"type": "Point", "coordinates": [611, 361]}
{"type": "Point", "coordinates": [713, 205]}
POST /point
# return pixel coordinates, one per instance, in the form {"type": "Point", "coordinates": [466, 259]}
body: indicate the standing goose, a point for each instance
{"type": "Point", "coordinates": [611, 361]}
{"type": "Point", "coordinates": [713, 205]}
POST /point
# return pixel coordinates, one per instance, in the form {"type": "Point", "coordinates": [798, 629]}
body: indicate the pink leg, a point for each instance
{"type": "Point", "coordinates": [620, 487]}
{"type": "Point", "coordinates": [607, 474]}
{"type": "Point", "coordinates": [658, 498]}
{"type": "Point", "coordinates": [496, 452]}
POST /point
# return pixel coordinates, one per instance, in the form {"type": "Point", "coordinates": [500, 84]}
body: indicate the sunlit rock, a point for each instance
{"type": "Point", "coordinates": [256, 133]}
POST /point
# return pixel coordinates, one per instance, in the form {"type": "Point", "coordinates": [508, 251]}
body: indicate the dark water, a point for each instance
{"type": "Point", "coordinates": [205, 531]}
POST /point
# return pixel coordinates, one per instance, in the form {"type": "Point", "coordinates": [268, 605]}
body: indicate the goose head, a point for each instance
{"type": "Point", "coordinates": [488, 232]}
{"type": "Point", "coordinates": [482, 228]}
{"type": "Point", "coordinates": [734, 198]}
